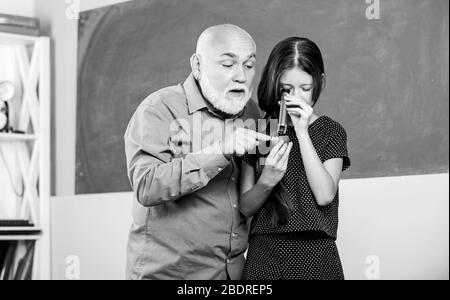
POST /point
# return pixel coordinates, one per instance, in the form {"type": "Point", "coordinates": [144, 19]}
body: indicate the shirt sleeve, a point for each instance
{"type": "Point", "coordinates": [156, 176]}
{"type": "Point", "coordinates": [250, 159]}
{"type": "Point", "coordinates": [337, 145]}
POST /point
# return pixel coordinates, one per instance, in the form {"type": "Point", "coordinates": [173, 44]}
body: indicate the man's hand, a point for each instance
{"type": "Point", "coordinates": [240, 141]}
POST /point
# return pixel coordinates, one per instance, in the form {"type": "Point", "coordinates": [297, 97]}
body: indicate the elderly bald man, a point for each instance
{"type": "Point", "coordinates": [186, 218]}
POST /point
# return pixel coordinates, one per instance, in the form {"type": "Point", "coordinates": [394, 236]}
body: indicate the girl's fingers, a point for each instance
{"type": "Point", "coordinates": [298, 102]}
{"type": "Point", "coordinates": [295, 111]}
{"type": "Point", "coordinates": [281, 152]}
{"type": "Point", "coordinates": [285, 165]}
{"type": "Point", "coordinates": [268, 162]}
{"type": "Point", "coordinates": [290, 97]}
{"type": "Point", "coordinates": [275, 150]}
{"type": "Point", "coordinates": [285, 157]}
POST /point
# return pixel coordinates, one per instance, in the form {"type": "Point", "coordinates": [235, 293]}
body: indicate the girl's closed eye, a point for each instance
{"type": "Point", "coordinates": [250, 65]}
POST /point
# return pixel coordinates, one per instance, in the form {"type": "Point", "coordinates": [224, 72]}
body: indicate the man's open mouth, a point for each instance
{"type": "Point", "coordinates": [237, 92]}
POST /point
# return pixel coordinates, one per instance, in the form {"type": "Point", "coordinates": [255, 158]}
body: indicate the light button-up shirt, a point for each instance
{"type": "Point", "coordinates": [186, 221]}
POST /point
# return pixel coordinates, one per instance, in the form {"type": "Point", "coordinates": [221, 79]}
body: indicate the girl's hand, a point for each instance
{"type": "Point", "coordinates": [276, 165]}
{"type": "Point", "coordinates": [299, 111]}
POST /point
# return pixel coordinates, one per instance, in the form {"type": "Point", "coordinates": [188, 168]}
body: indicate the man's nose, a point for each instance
{"type": "Point", "coordinates": [239, 75]}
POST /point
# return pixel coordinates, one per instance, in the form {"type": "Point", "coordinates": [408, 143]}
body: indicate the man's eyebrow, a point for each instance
{"type": "Point", "coordinates": [229, 54]}
{"type": "Point", "coordinates": [232, 55]}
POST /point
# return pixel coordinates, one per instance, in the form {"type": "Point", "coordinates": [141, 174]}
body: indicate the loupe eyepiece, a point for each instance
{"type": "Point", "coordinates": [282, 122]}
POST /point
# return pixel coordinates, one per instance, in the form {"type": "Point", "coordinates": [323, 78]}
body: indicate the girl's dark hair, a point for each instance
{"type": "Point", "coordinates": [288, 54]}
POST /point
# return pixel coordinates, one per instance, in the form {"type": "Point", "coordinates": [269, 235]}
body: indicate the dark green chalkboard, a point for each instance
{"type": "Point", "coordinates": [387, 77]}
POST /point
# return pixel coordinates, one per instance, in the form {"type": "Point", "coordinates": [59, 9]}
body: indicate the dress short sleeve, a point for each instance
{"type": "Point", "coordinates": [337, 145]}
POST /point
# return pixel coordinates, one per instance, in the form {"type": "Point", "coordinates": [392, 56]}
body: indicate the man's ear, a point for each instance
{"type": "Point", "coordinates": [196, 65]}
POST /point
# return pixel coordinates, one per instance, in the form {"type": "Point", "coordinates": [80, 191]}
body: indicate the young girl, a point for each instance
{"type": "Point", "coordinates": [294, 197]}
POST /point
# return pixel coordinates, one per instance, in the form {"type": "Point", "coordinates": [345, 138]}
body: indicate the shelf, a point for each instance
{"type": "Point", "coordinates": [14, 137]}
{"type": "Point", "coordinates": [17, 39]}
{"type": "Point", "coordinates": [20, 233]}
{"type": "Point", "coordinates": [29, 153]}
{"type": "Point", "coordinates": [19, 229]}
{"type": "Point", "coordinates": [34, 237]}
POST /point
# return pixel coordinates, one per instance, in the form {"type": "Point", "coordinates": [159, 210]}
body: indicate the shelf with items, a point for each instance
{"type": "Point", "coordinates": [20, 229]}
{"type": "Point", "coordinates": [28, 155]}
{"type": "Point", "coordinates": [20, 233]}
{"type": "Point", "coordinates": [20, 236]}
{"type": "Point", "coordinates": [31, 237]}
{"type": "Point", "coordinates": [15, 137]}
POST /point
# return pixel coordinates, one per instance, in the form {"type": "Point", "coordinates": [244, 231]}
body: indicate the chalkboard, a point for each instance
{"type": "Point", "coordinates": [387, 77]}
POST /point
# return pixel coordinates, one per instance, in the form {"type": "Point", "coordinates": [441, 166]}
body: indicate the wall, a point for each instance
{"type": "Point", "coordinates": [92, 4]}
{"type": "Point", "coordinates": [63, 30]}
{"type": "Point", "coordinates": [374, 77]}
{"type": "Point", "coordinates": [24, 8]}
{"type": "Point", "coordinates": [402, 220]}
{"type": "Point", "coordinates": [91, 232]}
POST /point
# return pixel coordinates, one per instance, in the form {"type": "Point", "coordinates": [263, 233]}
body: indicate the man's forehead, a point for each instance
{"type": "Point", "coordinates": [235, 49]}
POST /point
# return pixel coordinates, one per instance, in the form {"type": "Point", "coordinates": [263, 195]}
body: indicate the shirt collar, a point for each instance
{"type": "Point", "coordinates": [194, 97]}
{"type": "Point", "coordinates": [196, 101]}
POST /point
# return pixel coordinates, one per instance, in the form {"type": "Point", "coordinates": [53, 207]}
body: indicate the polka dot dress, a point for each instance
{"type": "Point", "coordinates": [293, 256]}
{"type": "Point", "coordinates": [304, 247]}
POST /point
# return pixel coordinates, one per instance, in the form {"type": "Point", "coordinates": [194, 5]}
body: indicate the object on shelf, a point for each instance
{"type": "Point", "coordinates": [16, 223]}
{"type": "Point", "coordinates": [25, 264]}
{"type": "Point", "coordinates": [19, 25]}
{"type": "Point", "coordinates": [6, 267]}
{"type": "Point", "coordinates": [17, 228]}
{"type": "Point", "coordinates": [7, 92]}
{"type": "Point", "coordinates": [16, 261]}
{"type": "Point", "coordinates": [4, 116]}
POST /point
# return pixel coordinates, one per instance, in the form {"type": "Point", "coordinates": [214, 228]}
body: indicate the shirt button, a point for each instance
{"type": "Point", "coordinates": [234, 205]}
{"type": "Point", "coordinates": [219, 169]}
{"type": "Point", "coordinates": [233, 178]}
{"type": "Point", "coordinates": [229, 261]}
{"type": "Point", "coordinates": [235, 235]}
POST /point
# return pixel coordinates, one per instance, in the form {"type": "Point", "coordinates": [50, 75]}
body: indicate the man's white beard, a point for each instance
{"type": "Point", "coordinates": [220, 101]}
